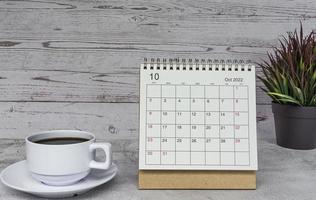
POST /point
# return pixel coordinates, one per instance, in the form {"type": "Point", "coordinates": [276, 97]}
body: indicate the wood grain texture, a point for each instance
{"type": "Point", "coordinates": [115, 82]}
{"type": "Point", "coordinates": [109, 121]}
{"type": "Point", "coordinates": [90, 51]}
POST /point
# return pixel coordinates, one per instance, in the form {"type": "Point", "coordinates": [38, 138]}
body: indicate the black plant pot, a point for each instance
{"type": "Point", "coordinates": [295, 126]}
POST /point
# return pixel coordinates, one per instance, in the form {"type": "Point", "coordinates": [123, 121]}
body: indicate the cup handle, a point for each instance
{"type": "Point", "coordinates": [106, 147]}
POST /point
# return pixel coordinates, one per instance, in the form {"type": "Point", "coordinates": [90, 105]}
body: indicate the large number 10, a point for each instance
{"type": "Point", "coordinates": [154, 76]}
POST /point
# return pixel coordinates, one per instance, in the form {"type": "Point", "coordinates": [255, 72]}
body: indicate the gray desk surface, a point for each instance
{"type": "Point", "coordinates": [283, 174]}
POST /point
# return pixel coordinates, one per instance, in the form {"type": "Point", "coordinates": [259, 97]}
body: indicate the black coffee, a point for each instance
{"type": "Point", "coordinates": [63, 140]}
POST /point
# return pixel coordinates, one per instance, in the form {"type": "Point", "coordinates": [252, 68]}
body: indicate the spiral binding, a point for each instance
{"type": "Point", "coordinates": [196, 64]}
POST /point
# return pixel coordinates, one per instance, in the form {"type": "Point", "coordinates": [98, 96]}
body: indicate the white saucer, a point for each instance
{"type": "Point", "coordinates": [17, 177]}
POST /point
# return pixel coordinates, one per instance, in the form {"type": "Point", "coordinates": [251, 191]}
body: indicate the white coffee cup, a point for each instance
{"type": "Point", "coordinates": [64, 164]}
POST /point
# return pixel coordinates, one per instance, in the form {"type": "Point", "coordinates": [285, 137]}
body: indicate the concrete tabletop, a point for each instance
{"type": "Point", "coordinates": [283, 174]}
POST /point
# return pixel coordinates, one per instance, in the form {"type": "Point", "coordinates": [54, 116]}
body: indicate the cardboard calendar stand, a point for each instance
{"type": "Point", "coordinates": [184, 179]}
{"type": "Point", "coordinates": [197, 125]}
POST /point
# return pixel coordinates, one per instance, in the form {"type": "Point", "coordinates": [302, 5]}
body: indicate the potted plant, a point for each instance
{"type": "Point", "coordinates": [290, 80]}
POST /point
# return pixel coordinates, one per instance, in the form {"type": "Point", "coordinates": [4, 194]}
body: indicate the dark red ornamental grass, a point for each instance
{"type": "Point", "coordinates": [290, 72]}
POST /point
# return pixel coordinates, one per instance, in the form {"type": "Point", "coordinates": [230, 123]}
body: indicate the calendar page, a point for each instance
{"type": "Point", "coordinates": [197, 116]}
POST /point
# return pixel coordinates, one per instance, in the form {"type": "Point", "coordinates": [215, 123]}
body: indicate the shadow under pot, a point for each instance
{"type": "Point", "coordinates": [295, 126]}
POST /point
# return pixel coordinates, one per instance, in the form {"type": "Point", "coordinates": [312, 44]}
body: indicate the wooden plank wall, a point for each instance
{"type": "Point", "coordinates": [74, 64]}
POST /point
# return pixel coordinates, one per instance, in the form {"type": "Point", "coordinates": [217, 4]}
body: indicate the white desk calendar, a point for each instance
{"type": "Point", "coordinates": [197, 115]}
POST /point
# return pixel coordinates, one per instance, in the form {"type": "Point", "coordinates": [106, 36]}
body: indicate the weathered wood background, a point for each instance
{"type": "Point", "coordinates": [74, 64]}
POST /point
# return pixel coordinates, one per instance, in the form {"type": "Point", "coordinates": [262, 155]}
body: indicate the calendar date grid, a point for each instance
{"type": "Point", "coordinates": [165, 107]}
